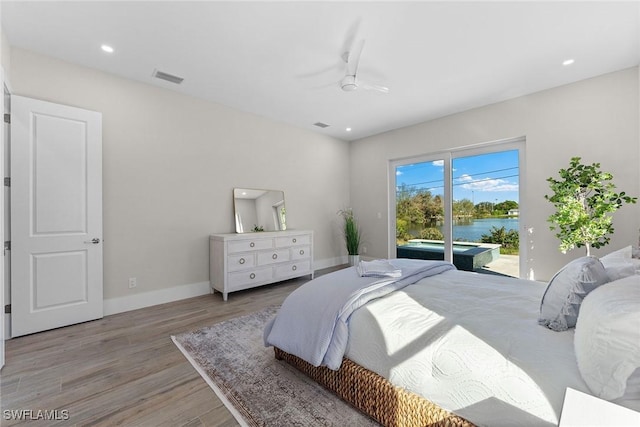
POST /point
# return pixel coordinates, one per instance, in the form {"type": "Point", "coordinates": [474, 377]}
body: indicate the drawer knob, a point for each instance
{"type": "Point", "coordinates": [294, 240]}
{"type": "Point", "coordinates": [252, 276]}
{"type": "Point", "coordinates": [301, 251]}
{"type": "Point", "coordinates": [241, 261]}
{"type": "Point", "coordinates": [274, 256]}
{"type": "Point", "coordinates": [294, 268]}
{"type": "Point", "coordinates": [252, 244]}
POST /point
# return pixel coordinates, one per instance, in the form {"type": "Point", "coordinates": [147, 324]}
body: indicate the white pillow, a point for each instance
{"type": "Point", "coordinates": [620, 269]}
{"type": "Point", "coordinates": [607, 337]}
{"type": "Point", "coordinates": [620, 264]}
{"type": "Point", "coordinates": [624, 253]}
{"type": "Point", "coordinates": [561, 301]}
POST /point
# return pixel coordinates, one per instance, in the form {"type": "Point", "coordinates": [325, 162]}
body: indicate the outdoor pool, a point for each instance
{"type": "Point", "coordinates": [467, 256]}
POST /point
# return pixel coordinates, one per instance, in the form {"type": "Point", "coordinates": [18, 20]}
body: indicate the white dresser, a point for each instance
{"type": "Point", "coordinates": [242, 261]}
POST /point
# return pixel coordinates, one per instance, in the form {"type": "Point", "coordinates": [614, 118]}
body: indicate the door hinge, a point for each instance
{"type": "Point", "coordinates": [7, 309]}
{"type": "Point", "coordinates": [7, 118]}
{"type": "Point", "coordinates": [7, 181]}
{"type": "Point", "coordinates": [7, 245]}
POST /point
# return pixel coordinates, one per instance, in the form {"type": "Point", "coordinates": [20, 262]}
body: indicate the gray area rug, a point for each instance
{"type": "Point", "coordinates": [258, 389]}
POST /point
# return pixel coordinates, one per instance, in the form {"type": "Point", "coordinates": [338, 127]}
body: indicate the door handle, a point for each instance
{"type": "Point", "coordinates": [95, 241]}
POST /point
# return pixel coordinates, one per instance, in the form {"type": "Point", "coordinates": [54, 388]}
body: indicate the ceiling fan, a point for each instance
{"type": "Point", "coordinates": [350, 81]}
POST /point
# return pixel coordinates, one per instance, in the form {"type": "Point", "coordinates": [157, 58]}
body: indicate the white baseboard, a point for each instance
{"type": "Point", "coordinates": [177, 293]}
{"type": "Point", "coordinates": [148, 299]}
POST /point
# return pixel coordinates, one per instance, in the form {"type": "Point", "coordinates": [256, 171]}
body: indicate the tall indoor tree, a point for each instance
{"type": "Point", "coordinates": [585, 199]}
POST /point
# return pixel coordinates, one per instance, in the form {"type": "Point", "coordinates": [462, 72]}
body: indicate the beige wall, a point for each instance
{"type": "Point", "coordinates": [170, 163]}
{"type": "Point", "coordinates": [5, 55]}
{"type": "Point", "coordinates": [596, 119]}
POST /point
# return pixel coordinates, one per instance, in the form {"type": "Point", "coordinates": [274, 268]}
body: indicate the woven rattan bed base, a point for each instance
{"type": "Point", "coordinates": [375, 396]}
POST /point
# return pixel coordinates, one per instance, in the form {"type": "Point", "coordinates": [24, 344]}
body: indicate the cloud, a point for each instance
{"type": "Point", "coordinates": [399, 172]}
{"type": "Point", "coordinates": [440, 164]}
{"type": "Point", "coordinates": [486, 184]}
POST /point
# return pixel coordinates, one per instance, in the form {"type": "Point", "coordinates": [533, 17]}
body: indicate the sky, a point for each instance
{"type": "Point", "coordinates": [492, 177]}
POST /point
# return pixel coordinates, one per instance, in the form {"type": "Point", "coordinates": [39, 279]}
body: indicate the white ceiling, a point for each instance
{"type": "Point", "coordinates": [281, 60]}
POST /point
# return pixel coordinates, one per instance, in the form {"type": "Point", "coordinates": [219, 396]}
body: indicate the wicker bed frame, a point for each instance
{"type": "Point", "coordinates": [375, 396]}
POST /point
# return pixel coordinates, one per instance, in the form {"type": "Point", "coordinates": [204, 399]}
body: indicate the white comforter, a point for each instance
{"type": "Point", "coordinates": [471, 344]}
{"type": "Point", "coordinates": [312, 322]}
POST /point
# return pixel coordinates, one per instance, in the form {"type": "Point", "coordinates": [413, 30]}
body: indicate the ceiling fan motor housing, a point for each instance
{"type": "Point", "coordinates": [348, 84]}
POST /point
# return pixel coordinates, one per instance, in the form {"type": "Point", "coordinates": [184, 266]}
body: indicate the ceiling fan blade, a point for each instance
{"type": "Point", "coordinates": [336, 68]}
{"type": "Point", "coordinates": [369, 86]}
{"type": "Point", "coordinates": [354, 58]}
{"type": "Point", "coordinates": [350, 36]}
{"type": "Point", "coordinates": [324, 86]}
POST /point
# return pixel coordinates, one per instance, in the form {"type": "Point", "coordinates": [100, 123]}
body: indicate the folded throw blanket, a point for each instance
{"type": "Point", "coordinates": [312, 322]}
{"type": "Point", "coordinates": [378, 268]}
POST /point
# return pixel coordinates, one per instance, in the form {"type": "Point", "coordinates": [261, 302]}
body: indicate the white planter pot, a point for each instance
{"type": "Point", "coordinates": [354, 260]}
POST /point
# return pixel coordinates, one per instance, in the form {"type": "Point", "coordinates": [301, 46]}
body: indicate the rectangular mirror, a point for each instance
{"type": "Point", "coordinates": [259, 210]}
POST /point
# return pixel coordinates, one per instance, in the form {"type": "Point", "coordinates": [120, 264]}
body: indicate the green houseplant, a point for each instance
{"type": "Point", "coordinates": [351, 235]}
{"type": "Point", "coordinates": [584, 199]}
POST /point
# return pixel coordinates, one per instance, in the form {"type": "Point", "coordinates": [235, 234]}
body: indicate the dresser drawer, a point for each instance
{"type": "Point", "coordinates": [244, 279]}
{"type": "Point", "coordinates": [273, 257]}
{"type": "Point", "coordinates": [241, 262]}
{"type": "Point", "coordinates": [287, 241]}
{"type": "Point", "coordinates": [249, 245]}
{"type": "Point", "coordinates": [302, 252]}
{"type": "Point", "coordinates": [293, 269]}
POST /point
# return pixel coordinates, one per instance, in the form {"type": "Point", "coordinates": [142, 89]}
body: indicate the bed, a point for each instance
{"type": "Point", "coordinates": [448, 348]}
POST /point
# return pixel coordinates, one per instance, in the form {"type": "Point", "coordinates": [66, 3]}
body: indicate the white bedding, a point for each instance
{"type": "Point", "coordinates": [489, 362]}
{"type": "Point", "coordinates": [312, 322]}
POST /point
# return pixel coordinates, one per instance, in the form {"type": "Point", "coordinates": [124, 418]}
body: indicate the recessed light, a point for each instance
{"type": "Point", "coordinates": [106, 48]}
{"type": "Point", "coordinates": [348, 129]}
{"type": "Point", "coordinates": [568, 62]}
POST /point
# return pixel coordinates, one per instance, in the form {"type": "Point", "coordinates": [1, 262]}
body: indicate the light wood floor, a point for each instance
{"type": "Point", "coordinates": [124, 369]}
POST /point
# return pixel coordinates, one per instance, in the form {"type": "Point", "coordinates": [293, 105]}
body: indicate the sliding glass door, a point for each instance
{"type": "Point", "coordinates": [485, 209]}
{"type": "Point", "coordinates": [420, 210]}
{"type": "Point", "coordinates": [462, 206]}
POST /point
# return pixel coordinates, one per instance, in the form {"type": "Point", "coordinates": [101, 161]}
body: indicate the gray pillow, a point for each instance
{"type": "Point", "coordinates": [566, 290]}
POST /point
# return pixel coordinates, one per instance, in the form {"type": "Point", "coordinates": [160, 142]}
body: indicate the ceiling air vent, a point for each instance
{"type": "Point", "coordinates": [321, 125]}
{"type": "Point", "coordinates": [168, 77]}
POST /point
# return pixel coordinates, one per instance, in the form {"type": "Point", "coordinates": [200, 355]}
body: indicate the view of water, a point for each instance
{"type": "Point", "coordinates": [472, 231]}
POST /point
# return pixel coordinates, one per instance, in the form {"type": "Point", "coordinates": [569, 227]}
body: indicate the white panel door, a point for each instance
{"type": "Point", "coordinates": [56, 215]}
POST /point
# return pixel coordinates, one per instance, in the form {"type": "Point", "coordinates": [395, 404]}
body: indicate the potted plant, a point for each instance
{"type": "Point", "coordinates": [584, 199]}
{"type": "Point", "coordinates": [351, 235]}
